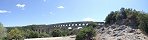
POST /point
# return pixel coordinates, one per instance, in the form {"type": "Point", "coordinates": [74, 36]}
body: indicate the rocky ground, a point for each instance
{"type": "Point", "coordinates": [116, 32]}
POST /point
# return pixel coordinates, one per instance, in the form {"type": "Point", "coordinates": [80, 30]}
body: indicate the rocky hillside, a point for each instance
{"type": "Point", "coordinates": [116, 32]}
{"type": "Point", "coordinates": [125, 24]}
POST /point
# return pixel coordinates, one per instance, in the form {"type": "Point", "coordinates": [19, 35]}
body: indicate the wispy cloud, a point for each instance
{"type": "Point", "coordinates": [21, 6]}
{"type": "Point", "coordinates": [60, 7]}
{"type": "Point", "coordinates": [47, 14]}
{"type": "Point", "coordinates": [50, 13]}
{"type": "Point", "coordinates": [44, 0]}
{"type": "Point", "coordinates": [88, 19]}
{"type": "Point", "coordinates": [5, 11]}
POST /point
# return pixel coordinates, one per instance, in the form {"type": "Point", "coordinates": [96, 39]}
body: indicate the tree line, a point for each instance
{"type": "Point", "coordinates": [21, 33]}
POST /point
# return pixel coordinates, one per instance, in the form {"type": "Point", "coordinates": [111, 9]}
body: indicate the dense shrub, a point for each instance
{"type": "Point", "coordinates": [34, 34]}
{"type": "Point", "coordinates": [15, 34]}
{"type": "Point", "coordinates": [56, 33]}
{"type": "Point", "coordinates": [144, 23]}
{"type": "Point", "coordinates": [87, 33]}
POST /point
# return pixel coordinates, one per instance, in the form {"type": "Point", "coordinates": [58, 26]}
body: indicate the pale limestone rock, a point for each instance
{"type": "Point", "coordinates": [116, 32]}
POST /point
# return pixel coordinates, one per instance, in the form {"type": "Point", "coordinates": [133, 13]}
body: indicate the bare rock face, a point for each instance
{"type": "Point", "coordinates": [116, 32]}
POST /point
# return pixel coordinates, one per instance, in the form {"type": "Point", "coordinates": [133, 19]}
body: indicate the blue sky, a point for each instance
{"type": "Point", "coordinates": [27, 12]}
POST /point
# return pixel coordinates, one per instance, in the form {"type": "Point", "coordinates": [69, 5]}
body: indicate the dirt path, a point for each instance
{"type": "Point", "coordinates": [54, 38]}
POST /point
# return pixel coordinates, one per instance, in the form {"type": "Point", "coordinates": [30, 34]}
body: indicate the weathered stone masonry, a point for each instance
{"type": "Point", "coordinates": [66, 25]}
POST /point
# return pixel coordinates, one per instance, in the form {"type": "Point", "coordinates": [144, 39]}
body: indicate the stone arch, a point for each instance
{"type": "Point", "coordinates": [83, 24]}
{"type": "Point", "coordinates": [72, 25]}
{"type": "Point", "coordinates": [75, 24]}
{"type": "Point", "coordinates": [79, 24]}
{"type": "Point", "coordinates": [69, 25]}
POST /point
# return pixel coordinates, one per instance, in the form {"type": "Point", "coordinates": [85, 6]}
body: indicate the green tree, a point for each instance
{"type": "Point", "coordinates": [16, 34]}
{"type": "Point", "coordinates": [87, 33]}
{"type": "Point", "coordinates": [73, 31]}
{"type": "Point", "coordinates": [2, 32]}
{"type": "Point", "coordinates": [56, 33]}
{"type": "Point", "coordinates": [109, 18]}
{"type": "Point", "coordinates": [43, 35]}
{"type": "Point", "coordinates": [144, 23]}
{"type": "Point", "coordinates": [34, 34]}
{"type": "Point", "coordinates": [123, 13]}
{"type": "Point", "coordinates": [31, 34]}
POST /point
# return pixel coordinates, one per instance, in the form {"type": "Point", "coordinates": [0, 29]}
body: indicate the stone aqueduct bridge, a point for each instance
{"type": "Point", "coordinates": [66, 25]}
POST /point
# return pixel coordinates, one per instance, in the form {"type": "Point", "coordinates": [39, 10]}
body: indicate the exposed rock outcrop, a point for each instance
{"type": "Point", "coordinates": [116, 32]}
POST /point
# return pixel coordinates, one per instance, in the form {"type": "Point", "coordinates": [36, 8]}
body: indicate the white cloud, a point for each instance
{"type": "Point", "coordinates": [88, 19]}
{"type": "Point", "coordinates": [50, 13]}
{"type": "Point", "coordinates": [44, 0]}
{"type": "Point", "coordinates": [60, 7]}
{"type": "Point", "coordinates": [5, 11]}
{"type": "Point", "coordinates": [21, 6]}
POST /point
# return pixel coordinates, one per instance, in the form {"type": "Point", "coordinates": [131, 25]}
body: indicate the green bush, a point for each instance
{"type": "Point", "coordinates": [144, 23]}
{"type": "Point", "coordinates": [33, 34]}
{"type": "Point", "coordinates": [86, 33]}
{"type": "Point", "coordinates": [16, 34]}
{"type": "Point", "coordinates": [41, 35]}
{"type": "Point", "coordinates": [56, 33]}
{"type": "Point", "coordinates": [73, 31]}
